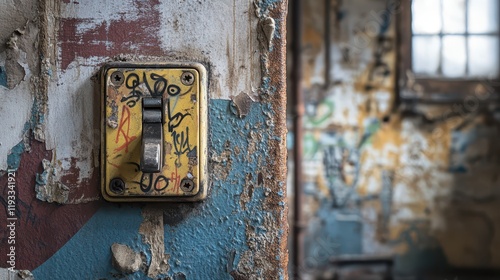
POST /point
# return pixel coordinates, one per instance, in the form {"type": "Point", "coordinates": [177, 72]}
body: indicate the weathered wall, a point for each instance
{"type": "Point", "coordinates": [50, 54]}
{"type": "Point", "coordinates": [383, 178]}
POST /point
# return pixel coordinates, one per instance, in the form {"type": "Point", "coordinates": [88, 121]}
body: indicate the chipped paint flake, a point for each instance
{"type": "Point", "coordinates": [125, 259]}
{"type": "Point", "coordinates": [12, 274]}
{"type": "Point", "coordinates": [47, 189]}
{"type": "Point", "coordinates": [229, 46]}
{"type": "Point", "coordinates": [266, 32]}
{"type": "Point", "coordinates": [152, 231]}
{"type": "Point", "coordinates": [112, 120]}
{"type": "Point", "coordinates": [243, 103]}
{"type": "Point", "coordinates": [13, 65]}
{"type": "Point", "coordinates": [247, 193]}
{"type": "Point", "coordinates": [221, 164]}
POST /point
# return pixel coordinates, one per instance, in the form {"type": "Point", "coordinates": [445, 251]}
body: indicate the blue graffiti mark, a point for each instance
{"type": "Point", "coordinates": [372, 126]}
{"type": "Point", "coordinates": [3, 77]}
{"type": "Point", "coordinates": [341, 14]}
{"type": "Point", "coordinates": [386, 23]}
{"type": "Point", "coordinates": [458, 169]}
{"type": "Point", "coordinates": [462, 155]}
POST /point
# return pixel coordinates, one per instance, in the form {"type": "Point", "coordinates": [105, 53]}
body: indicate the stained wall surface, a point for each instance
{"type": "Point", "coordinates": [384, 178]}
{"type": "Point", "coordinates": [50, 55]}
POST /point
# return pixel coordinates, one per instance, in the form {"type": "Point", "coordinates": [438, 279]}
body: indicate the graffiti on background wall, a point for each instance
{"type": "Point", "coordinates": [379, 182]}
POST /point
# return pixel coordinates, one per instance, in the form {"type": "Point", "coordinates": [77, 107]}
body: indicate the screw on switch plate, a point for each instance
{"type": "Point", "coordinates": [117, 185]}
{"type": "Point", "coordinates": [187, 185]}
{"type": "Point", "coordinates": [157, 149]}
{"type": "Point", "coordinates": [117, 78]}
{"type": "Point", "coordinates": [187, 78]}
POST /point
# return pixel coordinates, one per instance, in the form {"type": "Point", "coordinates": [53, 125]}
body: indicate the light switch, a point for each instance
{"type": "Point", "coordinates": [154, 122]}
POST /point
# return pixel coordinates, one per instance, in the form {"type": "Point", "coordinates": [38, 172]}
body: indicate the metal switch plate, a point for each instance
{"type": "Point", "coordinates": [154, 132]}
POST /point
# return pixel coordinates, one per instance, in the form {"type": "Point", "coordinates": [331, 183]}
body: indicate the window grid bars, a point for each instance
{"type": "Point", "coordinates": [466, 35]}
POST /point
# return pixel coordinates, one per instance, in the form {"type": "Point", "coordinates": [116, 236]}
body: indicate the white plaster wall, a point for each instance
{"type": "Point", "coordinates": [220, 33]}
{"type": "Point", "coordinates": [15, 104]}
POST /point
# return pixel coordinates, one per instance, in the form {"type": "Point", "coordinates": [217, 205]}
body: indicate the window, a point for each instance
{"type": "Point", "coordinates": [450, 45]}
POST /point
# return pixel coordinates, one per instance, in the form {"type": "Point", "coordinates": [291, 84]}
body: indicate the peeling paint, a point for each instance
{"type": "Point", "coordinates": [3, 77]}
{"type": "Point", "coordinates": [266, 34]}
{"type": "Point", "coordinates": [222, 164]}
{"type": "Point", "coordinates": [152, 231]}
{"type": "Point", "coordinates": [21, 67]}
{"type": "Point", "coordinates": [247, 193]}
{"type": "Point", "coordinates": [112, 121]}
{"type": "Point", "coordinates": [242, 102]}
{"type": "Point", "coordinates": [254, 140]}
{"type": "Point", "coordinates": [15, 71]}
{"type": "Point", "coordinates": [47, 189]}
{"type": "Point", "coordinates": [175, 242]}
{"type": "Point", "coordinates": [125, 259]}
{"type": "Point", "coordinates": [12, 274]}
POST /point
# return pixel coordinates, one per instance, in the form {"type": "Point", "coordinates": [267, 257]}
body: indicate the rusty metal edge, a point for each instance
{"type": "Point", "coordinates": [277, 161]}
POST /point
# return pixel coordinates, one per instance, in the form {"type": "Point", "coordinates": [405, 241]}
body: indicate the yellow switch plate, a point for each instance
{"type": "Point", "coordinates": [183, 88]}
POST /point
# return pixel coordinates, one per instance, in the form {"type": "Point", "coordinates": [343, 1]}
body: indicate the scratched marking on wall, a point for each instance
{"type": "Point", "coordinates": [180, 131]}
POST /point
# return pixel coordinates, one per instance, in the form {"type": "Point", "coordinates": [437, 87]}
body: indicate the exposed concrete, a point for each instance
{"type": "Point", "coordinates": [13, 15]}
{"type": "Point", "coordinates": [19, 61]}
{"type": "Point", "coordinates": [15, 71]}
{"type": "Point", "coordinates": [152, 231]}
{"type": "Point", "coordinates": [247, 193]}
{"type": "Point", "coordinates": [13, 274]}
{"type": "Point", "coordinates": [47, 188]}
{"type": "Point", "coordinates": [221, 164]}
{"type": "Point", "coordinates": [125, 259]}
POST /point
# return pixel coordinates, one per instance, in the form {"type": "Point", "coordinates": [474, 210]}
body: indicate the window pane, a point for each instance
{"type": "Point", "coordinates": [453, 16]}
{"type": "Point", "coordinates": [483, 56]}
{"type": "Point", "coordinates": [454, 56]}
{"type": "Point", "coordinates": [425, 54]}
{"type": "Point", "coordinates": [483, 16]}
{"type": "Point", "coordinates": [426, 17]}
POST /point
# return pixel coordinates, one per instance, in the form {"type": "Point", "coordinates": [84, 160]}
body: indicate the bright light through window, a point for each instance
{"type": "Point", "coordinates": [455, 38]}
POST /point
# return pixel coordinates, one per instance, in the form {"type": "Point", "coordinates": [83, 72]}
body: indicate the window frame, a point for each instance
{"type": "Point", "coordinates": [443, 88]}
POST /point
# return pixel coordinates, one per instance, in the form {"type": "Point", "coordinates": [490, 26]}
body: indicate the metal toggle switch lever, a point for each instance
{"type": "Point", "coordinates": [152, 135]}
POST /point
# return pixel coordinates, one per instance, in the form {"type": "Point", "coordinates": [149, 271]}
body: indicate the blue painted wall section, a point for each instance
{"type": "Point", "coordinates": [225, 237]}
{"type": "Point", "coordinates": [94, 241]}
